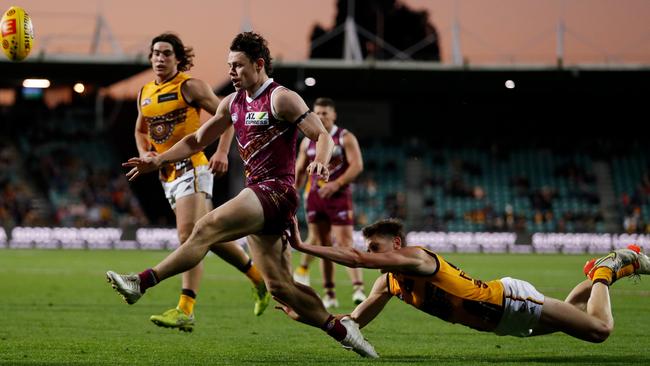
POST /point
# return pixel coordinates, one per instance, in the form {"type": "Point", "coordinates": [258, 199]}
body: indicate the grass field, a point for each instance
{"type": "Point", "coordinates": [57, 309]}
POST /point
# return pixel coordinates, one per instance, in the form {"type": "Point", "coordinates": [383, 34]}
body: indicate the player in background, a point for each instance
{"type": "Point", "coordinates": [266, 117]}
{"type": "Point", "coordinates": [328, 204]}
{"type": "Point", "coordinates": [507, 306]}
{"type": "Point", "coordinates": [169, 109]}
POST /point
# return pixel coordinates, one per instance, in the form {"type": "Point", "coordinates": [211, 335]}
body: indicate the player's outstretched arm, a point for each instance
{"type": "Point", "coordinates": [409, 259]}
{"type": "Point", "coordinates": [187, 146]}
{"type": "Point", "coordinates": [379, 296]}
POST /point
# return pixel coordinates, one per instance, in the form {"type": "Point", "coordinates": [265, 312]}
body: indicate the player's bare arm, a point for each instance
{"type": "Point", "coordinates": [291, 107]}
{"type": "Point", "coordinates": [142, 134]}
{"type": "Point", "coordinates": [379, 296]}
{"type": "Point", "coordinates": [301, 163]}
{"type": "Point", "coordinates": [184, 148]}
{"type": "Point", "coordinates": [219, 161]}
{"type": "Point", "coordinates": [198, 92]}
{"type": "Point", "coordinates": [409, 259]}
{"type": "Point", "coordinates": [355, 167]}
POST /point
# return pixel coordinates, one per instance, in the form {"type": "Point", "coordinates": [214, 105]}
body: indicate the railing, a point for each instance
{"type": "Point", "coordinates": [443, 242]}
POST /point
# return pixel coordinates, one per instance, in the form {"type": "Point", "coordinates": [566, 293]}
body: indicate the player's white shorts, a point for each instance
{"type": "Point", "coordinates": [193, 181]}
{"type": "Point", "coordinates": [522, 308]}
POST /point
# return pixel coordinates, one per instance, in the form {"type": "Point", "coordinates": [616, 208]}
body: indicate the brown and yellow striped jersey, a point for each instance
{"type": "Point", "coordinates": [451, 295]}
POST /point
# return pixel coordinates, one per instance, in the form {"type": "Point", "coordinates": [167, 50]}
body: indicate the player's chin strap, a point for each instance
{"type": "Point", "coordinates": [303, 116]}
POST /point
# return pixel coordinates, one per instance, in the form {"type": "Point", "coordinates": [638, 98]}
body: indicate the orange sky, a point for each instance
{"type": "Point", "coordinates": [497, 31]}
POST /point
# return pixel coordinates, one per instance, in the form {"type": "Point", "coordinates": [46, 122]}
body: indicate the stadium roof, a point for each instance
{"type": "Point", "coordinates": [99, 70]}
{"type": "Point", "coordinates": [398, 79]}
{"type": "Point", "coordinates": [401, 92]}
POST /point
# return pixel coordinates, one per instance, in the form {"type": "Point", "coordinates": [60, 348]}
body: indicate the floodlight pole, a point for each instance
{"type": "Point", "coordinates": [246, 23]}
{"type": "Point", "coordinates": [561, 30]}
{"type": "Point", "coordinates": [351, 46]}
{"type": "Point", "coordinates": [102, 28]}
{"type": "Point", "coordinates": [456, 51]}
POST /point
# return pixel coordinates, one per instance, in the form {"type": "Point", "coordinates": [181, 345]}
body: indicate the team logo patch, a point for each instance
{"type": "Point", "coordinates": [145, 101]}
{"type": "Point", "coordinates": [234, 117]}
{"type": "Point", "coordinates": [167, 97]}
{"type": "Point", "coordinates": [257, 119]}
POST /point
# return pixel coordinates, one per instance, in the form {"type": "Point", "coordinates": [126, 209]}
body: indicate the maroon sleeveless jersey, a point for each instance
{"type": "Point", "coordinates": [266, 145]}
{"type": "Point", "coordinates": [338, 163]}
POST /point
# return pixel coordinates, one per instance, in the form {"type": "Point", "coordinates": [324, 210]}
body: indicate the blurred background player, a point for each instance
{"type": "Point", "coordinates": [266, 117]}
{"type": "Point", "coordinates": [507, 306]}
{"type": "Point", "coordinates": [328, 204]}
{"type": "Point", "coordinates": [169, 109]}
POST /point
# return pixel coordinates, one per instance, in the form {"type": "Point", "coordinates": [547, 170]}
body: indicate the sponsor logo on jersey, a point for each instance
{"type": "Point", "coordinates": [145, 102]}
{"type": "Point", "coordinates": [167, 97]}
{"type": "Point", "coordinates": [257, 119]}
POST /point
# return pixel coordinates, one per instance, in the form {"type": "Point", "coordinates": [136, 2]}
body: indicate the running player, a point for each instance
{"type": "Point", "coordinates": [168, 110]}
{"type": "Point", "coordinates": [266, 117]}
{"type": "Point", "coordinates": [507, 306]}
{"type": "Point", "coordinates": [329, 204]}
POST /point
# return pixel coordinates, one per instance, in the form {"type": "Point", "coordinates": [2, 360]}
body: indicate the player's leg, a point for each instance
{"type": "Point", "coordinates": [234, 219]}
{"type": "Point", "coordinates": [312, 203]}
{"type": "Point", "coordinates": [579, 295]}
{"type": "Point", "coordinates": [274, 261]}
{"type": "Point", "coordinates": [188, 210]}
{"type": "Point", "coordinates": [301, 274]}
{"type": "Point", "coordinates": [594, 321]}
{"type": "Point", "coordinates": [594, 325]}
{"type": "Point", "coordinates": [323, 231]}
{"type": "Point", "coordinates": [343, 236]}
{"type": "Point", "coordinates": [234, 254]}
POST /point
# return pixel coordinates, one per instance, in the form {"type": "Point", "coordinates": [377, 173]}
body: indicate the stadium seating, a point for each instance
{"type": "Point", "coordinates": [472, 190]}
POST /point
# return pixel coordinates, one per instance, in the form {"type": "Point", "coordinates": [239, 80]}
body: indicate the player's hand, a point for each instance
{"type": "Point", "coordinates": [293, 234]}
{"type": "Point", "coordinates": [219, 164]}
{"type": "Point", "coordinates": [289, 311]}
{"type": "Point", "coordinates": [329, 189]}
{"type": "Point", "coordinates": [319, 169]}
{"type": "Point", "coordinates": [141, 166]}
{"type": "Point", "coordinates": [149, 154]}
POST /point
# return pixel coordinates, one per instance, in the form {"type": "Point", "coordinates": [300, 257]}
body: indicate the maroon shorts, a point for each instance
{"type": "Point", "coordinates": [279, 201]}
{"type": "Point", "coordinates": [337, 209]}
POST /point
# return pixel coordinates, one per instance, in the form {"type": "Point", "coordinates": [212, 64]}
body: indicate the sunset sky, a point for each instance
{"type": "Point", "coordinates": [492, 32]}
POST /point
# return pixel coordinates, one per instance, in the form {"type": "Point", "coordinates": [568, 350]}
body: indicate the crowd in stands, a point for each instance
{"type": "Point", "coordinates": [56, 169]}
{"type": "Point", "coordinates": [631, 180]}
{"type": "Point", "coordinates": [520, 190]}
{"type": "Point", "coordinates": [16, 194]}
{"type": "Point", "coordinates": [85, 193]}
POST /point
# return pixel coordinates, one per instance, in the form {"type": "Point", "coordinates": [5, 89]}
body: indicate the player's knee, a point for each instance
{"type": "Point", "coordinates": [184, 233]}
{"type": "Point", "coordinates": [601, 332]}
{"type": "Point", "coordinates": [200, 232]}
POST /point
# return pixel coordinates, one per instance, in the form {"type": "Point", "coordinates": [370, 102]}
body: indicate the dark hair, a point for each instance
{"type": "Point", "coordinates": [386, 227]}
{"type": "Point", "coordinates": [325, 102]}
{"type": "Point", "coordinates": [255, 47]}
{"type": "Point", "coordinates": [183, 54]}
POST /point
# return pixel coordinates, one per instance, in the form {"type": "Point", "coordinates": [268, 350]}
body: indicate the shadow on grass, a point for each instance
{"type": "Point", "coordinates": [557, 359]}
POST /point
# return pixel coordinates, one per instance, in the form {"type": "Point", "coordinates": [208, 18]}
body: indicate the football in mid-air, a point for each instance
{"type": "Point", "coordinates": [17, 33]}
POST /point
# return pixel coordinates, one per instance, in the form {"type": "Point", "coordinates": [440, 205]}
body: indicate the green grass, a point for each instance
{"type": "Point", "coordinates": [57, 309]}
